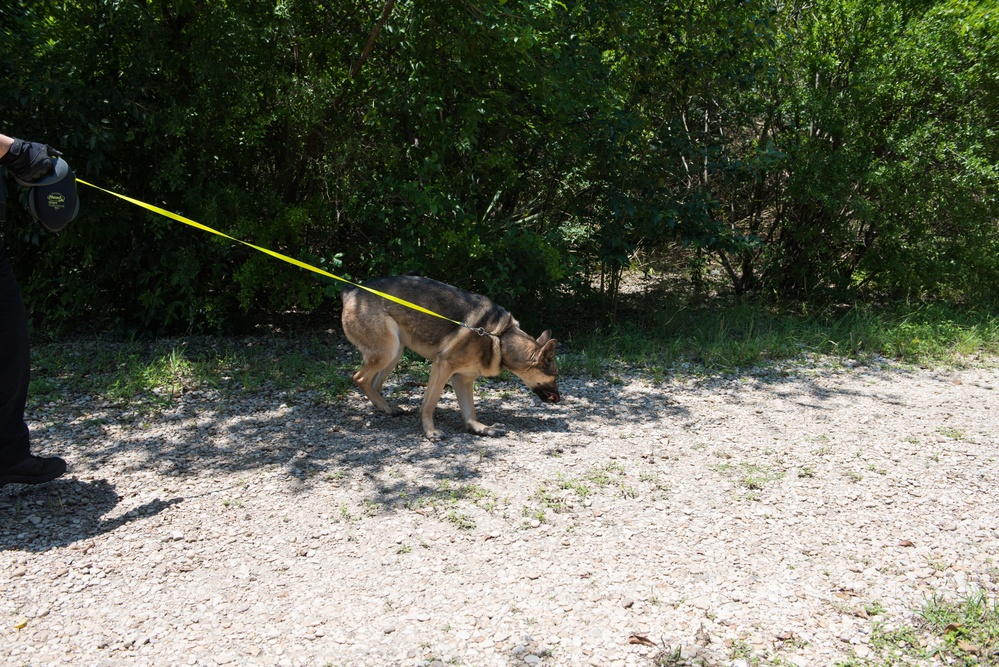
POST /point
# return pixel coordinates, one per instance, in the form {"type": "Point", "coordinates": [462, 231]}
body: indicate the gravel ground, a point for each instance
{"type": "Point", "coordinates": [773, 516]}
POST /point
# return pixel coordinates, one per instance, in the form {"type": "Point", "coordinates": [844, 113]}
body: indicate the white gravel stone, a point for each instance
{"type": "Point", "coordinates": [271, 528]}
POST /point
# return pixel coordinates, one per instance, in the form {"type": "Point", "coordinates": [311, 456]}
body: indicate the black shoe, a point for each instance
{"type": "Point", "coordinates": [33, 470]}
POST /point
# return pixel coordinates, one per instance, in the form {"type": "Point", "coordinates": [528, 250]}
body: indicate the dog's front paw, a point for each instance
{"type": "Point", "coordinates": [493, 431]}
{"type": "Point", "coordinates": [434, 435]}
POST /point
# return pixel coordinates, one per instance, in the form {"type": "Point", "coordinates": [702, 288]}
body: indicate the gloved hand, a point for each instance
{"type": "Point", "coordinates": [29, 160]}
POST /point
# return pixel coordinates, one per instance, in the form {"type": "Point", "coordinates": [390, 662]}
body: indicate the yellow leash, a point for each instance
{"type": "Point", "coordinates": [285, 258]}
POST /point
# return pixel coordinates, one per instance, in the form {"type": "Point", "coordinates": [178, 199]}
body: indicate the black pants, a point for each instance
{"type": "Point", "coordinates": [15, 367]}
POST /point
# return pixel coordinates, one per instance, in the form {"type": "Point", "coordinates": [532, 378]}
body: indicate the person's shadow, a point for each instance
{"type": "Point", "coordinates": [57, 514]}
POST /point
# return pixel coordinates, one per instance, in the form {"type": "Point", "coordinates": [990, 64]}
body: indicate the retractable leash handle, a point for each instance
{"type": "Point", "coordinates": [52, 199]}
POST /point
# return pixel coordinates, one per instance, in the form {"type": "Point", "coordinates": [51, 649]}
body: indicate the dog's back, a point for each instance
{"type": "Point", "coordinates": [364, 312]}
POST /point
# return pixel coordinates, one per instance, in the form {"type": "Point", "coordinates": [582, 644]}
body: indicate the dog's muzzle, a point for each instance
{"type": "Point", "coordinates": [548, 393]}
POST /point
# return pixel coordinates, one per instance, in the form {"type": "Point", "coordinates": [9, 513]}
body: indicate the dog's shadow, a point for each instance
{"type": "Point", "coordinates": [63, 512]}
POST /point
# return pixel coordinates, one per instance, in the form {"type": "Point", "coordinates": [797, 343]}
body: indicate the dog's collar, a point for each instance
{"type": "Point", "coordinates": [504, 326]}
{"type": "Point", "coordinates": [482, 331]}
{"type": "Point", "coordinates": [479, 330]}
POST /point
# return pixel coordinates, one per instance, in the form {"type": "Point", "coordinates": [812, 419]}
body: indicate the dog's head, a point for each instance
{"type": "Point", "coordinates": [533, 361]}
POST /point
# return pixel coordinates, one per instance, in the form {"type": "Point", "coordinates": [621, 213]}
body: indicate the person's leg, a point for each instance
{"type": "Point", "coordinates": [16, 463]}
{"type": "Point", "coordinates": [15, 367]}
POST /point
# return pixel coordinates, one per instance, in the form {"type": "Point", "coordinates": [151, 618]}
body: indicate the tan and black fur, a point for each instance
{"type": "Point", "coordinates": [380, 329]}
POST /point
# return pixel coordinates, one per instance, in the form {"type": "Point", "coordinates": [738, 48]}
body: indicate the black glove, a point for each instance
{"type": "Point", "coordinates": [29, 160]}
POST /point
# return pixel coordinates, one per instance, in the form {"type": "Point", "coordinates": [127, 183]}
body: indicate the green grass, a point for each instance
{"type": "Point", "coordinates": [448, 501]}
{"type": "Point", "coordinates": [153, 373]}
{"type": "Point", "coordinates": [969, 629]}
{"type": "Point", "coordinates": [960, 633]}
{"type": "Point", "coordinates": [661, 337]}
{"type": "Point", "coordinates": [559, 495]}
{"type": "Point", "coordinates": [722, 338]}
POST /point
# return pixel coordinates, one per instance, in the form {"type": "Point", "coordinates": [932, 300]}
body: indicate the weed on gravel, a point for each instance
{"type": "Point", "coordinates": [564, 494]}
{"type": "Point", "coordinates": [753, 477]}
{"type": "Point", "coordinates": [451, 502]}
{"type": "Point", "coordinates": [959, 633]}
{"type": "Point", "coordinates": [969, 629]}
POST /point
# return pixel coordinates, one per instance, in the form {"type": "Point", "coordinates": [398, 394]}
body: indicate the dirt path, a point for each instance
{"type": "Point", "coordinates": [776, 516]}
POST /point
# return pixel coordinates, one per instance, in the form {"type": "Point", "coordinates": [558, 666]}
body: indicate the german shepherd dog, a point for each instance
{"type": "Point", "coordinates": [380, 329]}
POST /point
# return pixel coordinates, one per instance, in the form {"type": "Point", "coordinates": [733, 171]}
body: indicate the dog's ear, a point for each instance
{"type": "Point", "coordinates": [545, 337]}
{"type": "Point", "coordinates": [547, 352]}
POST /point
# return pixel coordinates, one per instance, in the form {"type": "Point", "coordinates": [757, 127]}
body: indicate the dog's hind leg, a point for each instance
{"type": "Point", "coordinates": [380, 376]}
{"type": "Point", "coordinates": [378, 363]}
{"type": "Point", "coordinates": [464, 389]}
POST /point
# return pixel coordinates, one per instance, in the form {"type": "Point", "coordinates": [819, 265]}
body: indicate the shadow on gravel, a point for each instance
{"type": "Point", "coordinates": [249, 432]}
{"type": "Point", "coordinates": [314, 441]}
{"type": "Point", "coordinates": [63, 512]}
{"type": "Point", "coordinates": [812, 392]}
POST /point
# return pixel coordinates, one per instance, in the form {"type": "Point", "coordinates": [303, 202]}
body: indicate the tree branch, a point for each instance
{"type": "Point", "coordinates": [386, 11]}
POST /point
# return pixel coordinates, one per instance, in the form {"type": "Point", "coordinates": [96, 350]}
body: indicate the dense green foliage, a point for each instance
{"type": "Point", "coordinates": [821, 151]}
